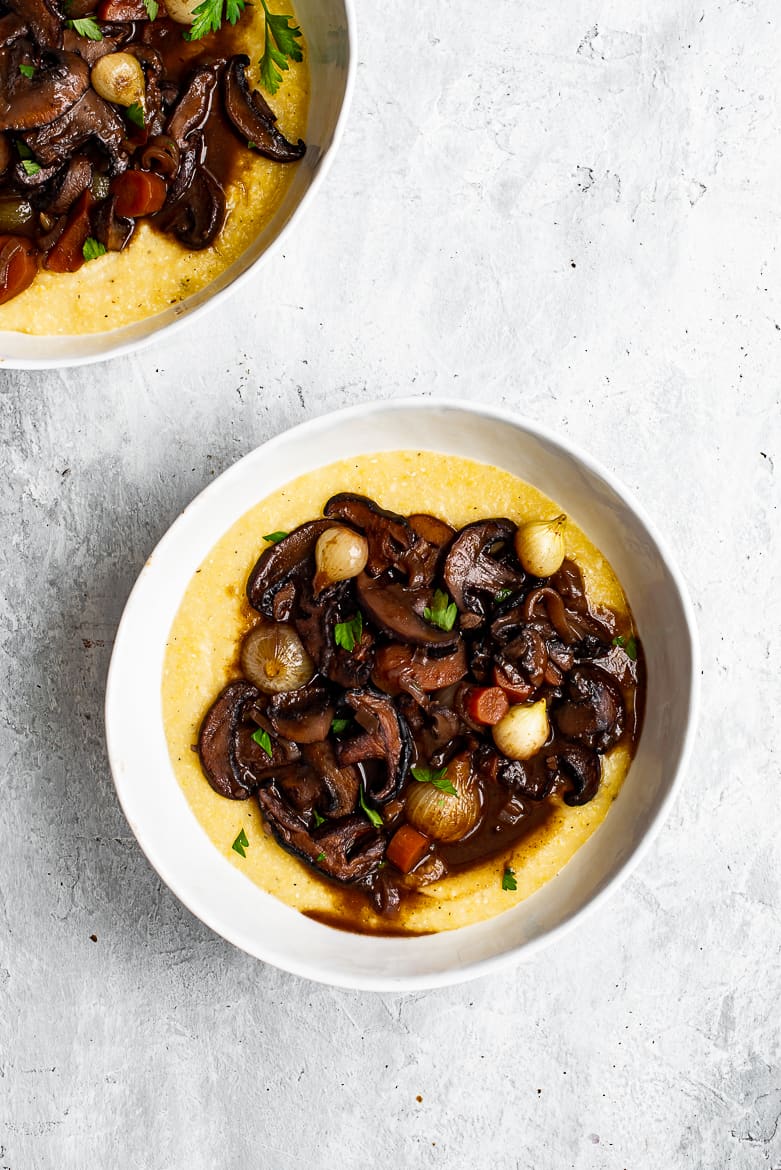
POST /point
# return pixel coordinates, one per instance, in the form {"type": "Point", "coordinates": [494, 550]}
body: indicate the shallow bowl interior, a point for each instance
{"type": "Point", "coordinates": [216, 891]}
{"type": "Point", "coordinates": [328, 27]}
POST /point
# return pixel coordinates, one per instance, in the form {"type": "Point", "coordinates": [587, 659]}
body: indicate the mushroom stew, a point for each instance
{"type": "Point", "coordinates": [413, 699]}
{"type": "Point", "coordinates": [111, 112]}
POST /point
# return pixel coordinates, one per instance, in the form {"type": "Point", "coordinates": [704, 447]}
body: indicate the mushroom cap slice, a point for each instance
{"type": "Point", "coordinates": [347, 850]}
{"type": "Point", "coordinates": [385, 737]}
{"type": "Point", "coordinates": [216, 740]}
{"type": "Point", "coordinates": [397, 610]}
{"type": "Point", "coordinates": [29, 103]}
{"type": "Point", "coordinates": [592, 712]}
{"type": "Point", "coordinates": [254, 119]}
{"type": "Point", "coordinates": [291, 559]}
{"type": "Point", "coordinates": [583, 767]}
{"type": "Point", "coordinates": [470, 567]}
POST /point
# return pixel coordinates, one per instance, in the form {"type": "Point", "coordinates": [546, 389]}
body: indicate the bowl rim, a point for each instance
{"type": "Point", "coordinates": [525, 950]}
{"type": "Point", "coordinates": [135, 345]}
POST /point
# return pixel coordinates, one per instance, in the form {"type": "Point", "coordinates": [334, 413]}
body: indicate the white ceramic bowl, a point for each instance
{"type": "Point", "coordinates": [232, 905]}
{"type": "Point", "coordinates": [329, 27]}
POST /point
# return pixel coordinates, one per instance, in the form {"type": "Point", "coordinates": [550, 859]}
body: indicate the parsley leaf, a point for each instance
{"type": "Point", "coordinates": [92, 249]}
{"type": "Point", "coordinates": [135, 114]}
{"type": "Point", "coordinates": [628, 645]}
{"type": "Point", "coordinates": [23, 150]}
{"type": "Point", "coordinates": [32, 168]}
{"type": "Point", "coordinates": [240, 844]}
{"type": "Point", "coordinates": [371, 813]}
{"type": "Point", "coordinates": [347, 634]}
{"type": "Point", "coordinates": [502, 595]}
{"type": "Point", "coordinates": [320, 857]}
{"type": "Point", "coordinates": [27, 70]}
{"type": "Point", "coordinates": [282, 38]}
{"type": "Point", "coordinates": [435, 776]}
{"type": "Point", "coordinates": [152, 8]}
{"type": "Point", "coordinates": [264, 739]}
{"type": "Point", "coordinates": [440, 613]}
{"type": "Point", "coordinates": [318, 819]}
{"type": "Point", "coordinates": [208, 17]}
{"type": "Point", "coordinates": [275, 537]}
{"type": "Point", "coordinates": [86, 27]}
{"type": "Point", "coordinates": [508, 879]}
{"type": "Point", "coordinates": [338, 725]}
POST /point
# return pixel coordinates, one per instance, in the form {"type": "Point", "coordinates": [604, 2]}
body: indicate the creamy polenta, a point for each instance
{"type": "Point", "coordinates": [155, 271]}
{"type": "Point", "coordinates": [201, 657]}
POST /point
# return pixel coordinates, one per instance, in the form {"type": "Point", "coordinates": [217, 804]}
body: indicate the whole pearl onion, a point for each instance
{"type": "Point", "coordinates": [521, 733]}
{"type": "Point", "coordinates": [119, 78]}
{"type": "Point", "coordinates": [340, 553]}
{"type": "Point", "coordinates": [539, 546]}
{"type": "Point", "coordinates": [441, 815]}
{"type": "Point", "coordinates": [182, 11]}
{"type": "Point", "coordinates": [274, 659]}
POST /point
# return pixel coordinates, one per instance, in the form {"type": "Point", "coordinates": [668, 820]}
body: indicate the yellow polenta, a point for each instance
{"type": "Point", "coordinates": [155, 271]}
{"type": "Point", "coordinates": [201, 658]}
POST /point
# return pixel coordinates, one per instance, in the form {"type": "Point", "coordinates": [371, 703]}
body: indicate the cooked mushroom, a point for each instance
{"type": "Point", "coordinates": [316, 620]}
{"type": "Point", "coordinates": [304, 715]}
{"type": "Point", "coordinates": [89, 118]}
{"type": "Point", "coordinates": [593, 711]}
{"type": "Point", "coordinates": [216, 740]}
{"type": "Point", "coordinates": [44, 20]}
{"type": "Point", "coordinates": [398, 611]}
{"type": "Point", "coordinates": [287, 562]}
{"type": "Point", "coordinates": [346, 851]}
{"type": "Point", "coordinates": [400, 668]}
{"type": "Point", "coordinates": [385, 737]}
{"type": "Point", "coordinates": [27, 103]}
{"type": "Point", "coordinates": [342, 782]}
{"type": "Point", "coordinates": [194, 106]}
{"type": "Point", "coordinates": [584, 769]}
{"type": "Point", "coordinates": [389, 535]}
{"type": "Point", "coordinates": [472, 568]}
{"type": "Point", "coordinates": [253, 118]}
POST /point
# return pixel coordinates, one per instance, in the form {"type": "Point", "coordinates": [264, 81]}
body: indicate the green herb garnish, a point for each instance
{"type": "Point", "coordinates": [339, 725]}
{"type": "Point", "coordinates": [318, 819]}
{"type": "Point", "coordinates": [435, 776]}
{"type": "Point", "coordinates": [371, 813]}
{"type": "Point", "coordinates": [347, 634]}
{"type": "Point", "coordinates": [86, 27]}
{"type": "Point", "coordinates": [240, 844]}
{"type": "Point", "coordinates": [628, 645]}
{"type": "Point", "coordinates": [320, 857]}
{"type": "Point", "coordinates": [275, 537]}
{"type": "Point", "coordinates": [135, 114]}
{"type": "Point", "coordinates": [208, 17]}
{"type": "Point", "coordinates": [508, 879]}
{"type": "Point", "coordinates": [92, 249]}
{"type": "Point", "coordinates": [502, 595]}
{"type": "Point", "coordinates": [264, 739]}
{"type": "Point", "coordinates": [23, 150]}
{"type": "Point", "coordinates": [152, 8]}
{"type": "Point", "coordinates": [285, 36]}
{"type": "Point", "coordinates": [442, 612]}
{"type": "Point", "coordinates": [32, 168]}
{"type": "Point", "coordinates": [27, 70]}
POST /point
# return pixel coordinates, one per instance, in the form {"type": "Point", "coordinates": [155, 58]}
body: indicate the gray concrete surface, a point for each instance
{"type": "Point", "coordinates": [571, 209]}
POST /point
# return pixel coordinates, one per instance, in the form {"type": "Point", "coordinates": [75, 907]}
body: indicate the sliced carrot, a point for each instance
{"type": "Point", "coordinates": [67, 255]}
{"type": "Point", "coordinates": [516, 691]}
{"type": "Point", "coordinates": [18, 266]}
{"type": "Point", "coordinates": [138, 193]}
{"type": "Point", "coordinates": [486, 705]}
{"type": "Point", "coordinates": [406, 848]}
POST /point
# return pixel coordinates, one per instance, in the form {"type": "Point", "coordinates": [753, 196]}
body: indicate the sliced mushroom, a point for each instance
{"type": "Point", "coordinates": [341, 781]}
{"type": "Point", "coordinates": [398, 611]}
{"type": "Point", "coordinates": [76, 179]}
{"type": "Point", "coordinates": [592, 712]}
{"type": "Point", "coordinates": [316, 619]}
{"type": "Point", "coordinates": [253, 118]}
{"type": "Point", "coordinates": [385, 737]}
{"type": "Point", "coordinates": [303, 715]}
{"type": "Point", "coordinates": [287, 562]}
{"type": "Point", "coordinates": [533, 778]}
{"type": "Point", "coordinates": [194, 106]}
{"type": "Point", "coordinates": [472, 570]}
{"type": "Point", "coordinates": [113, 231]}
{"type": "Point", "coordinates": [346, 851]}
{"type": "Point", "coordinates": [216, 740]}
{"type": "Point", "coordinates": [583, 768]}
{"type": "Point", "coordinates": [389, 535]}
{"type": "Point", "coordinates": [28, 103]}
{"type": "Point", "coordinates": [89, 118]}
{"type": "Point", "coordinates": [197, 217]}
{"type": "Point", "coordinates": [43, 19]}
{"type": "Point", "coordinates": [400, 668]}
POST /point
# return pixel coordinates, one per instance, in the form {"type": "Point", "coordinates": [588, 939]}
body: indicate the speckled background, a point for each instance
{"type": "Point", "coordinates": [571, 209]}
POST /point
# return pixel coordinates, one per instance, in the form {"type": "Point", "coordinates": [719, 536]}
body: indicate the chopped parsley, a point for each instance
{"type": "Point", "coordinates": [320, 857]}
{"type": "Point", "coordinates": [264, 739]}
{"type": "Point", "coordinates": [135, 114]}
{"type": "Point", "coordinates": [31, 167]}
{"type": "Point", "coordinates": [275, 537]}
{"type": "Point", "coordinates": [93, 248]}
{"type": "Point", "coordinates": [27, 70]}
{"type": "Point", "coordinates": [371, 813]}
{"type": "Point", "coordinates": [282, 37]}
{"type": "Point", "coordinates": [209, 15]}
{"type": "Point", "coordinates": [240, 844]}
{"type": "Point", "coordinates": [628, 645]}
{"type": "Point", "coordinates": [435, 776]}
{"type": "Point", "coordinates": [442, 612]}
{"type": "Point", "coordinates": [318, 819]}
{"type": "Point", "coordinates": [339, 725]}
{"type": "Point", "coordinates": [152, 8]}
{"type": "Point", "coordinates": [502, 595]}
{"type": "Point", "coordinates": [86, 27]}
{"type": "Point", "coordinates": [508, 879]}
{"type": "Point", "coordinates": [348, 634]}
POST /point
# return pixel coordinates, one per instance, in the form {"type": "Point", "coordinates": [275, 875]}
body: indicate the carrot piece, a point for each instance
{"type": "Point", "coordinates": [406, 848]}
{"type": "Point", "coordinates": [138, 193]}
{"type": "Point", "coordinates": [67, 254]}
{"type": "Point", "coordinates": [486, 705]}
{"type": "Point", "coordinates": [18, 266]}
{"type": "Point", "coordinates": [517, 692]}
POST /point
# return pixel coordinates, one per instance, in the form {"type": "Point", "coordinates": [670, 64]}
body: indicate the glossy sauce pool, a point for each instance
{"type": "Point", "coordinates": [202, 656]}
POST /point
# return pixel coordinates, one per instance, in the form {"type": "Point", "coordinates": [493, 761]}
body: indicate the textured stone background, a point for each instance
{"type": "Point", "coordinates": [568, 208]}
